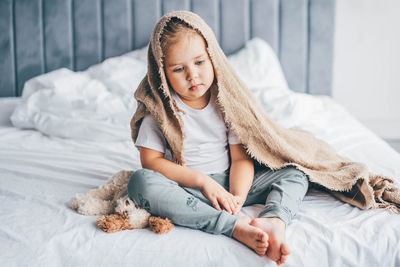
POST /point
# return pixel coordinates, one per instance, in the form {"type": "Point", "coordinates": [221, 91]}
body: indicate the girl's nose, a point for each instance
{"type": "Point", "coordinates": [191, 74]}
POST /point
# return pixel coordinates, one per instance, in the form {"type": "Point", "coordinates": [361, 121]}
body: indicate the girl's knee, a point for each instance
{"type": "Point", "coordinates": [144, 187]}
{"type": "Point", "coordinates": [299, 175]}
{"type": "Point", "coordinates": [143, 182]}
{"type": "Point", "coordinates": [138, 182]}
{"type": "Point", "coordinates": [137, 185]}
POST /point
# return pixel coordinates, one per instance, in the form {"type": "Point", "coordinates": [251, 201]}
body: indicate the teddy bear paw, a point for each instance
{"type": "Point", "coordinates": [114, 222]}
{"type": "Point", "coordinates": [159, 225]}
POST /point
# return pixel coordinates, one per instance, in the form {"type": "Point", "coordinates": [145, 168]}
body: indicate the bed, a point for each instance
{"type": "Point", "coordinates": [64, 129]}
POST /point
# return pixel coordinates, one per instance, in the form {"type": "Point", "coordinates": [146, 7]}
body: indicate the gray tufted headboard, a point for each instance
{"type": "Point", "coordinates": [38, 36]}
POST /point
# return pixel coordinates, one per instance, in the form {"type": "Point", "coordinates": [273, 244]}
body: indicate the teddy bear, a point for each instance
{"type": "Point", "coordinates": [117, 210]}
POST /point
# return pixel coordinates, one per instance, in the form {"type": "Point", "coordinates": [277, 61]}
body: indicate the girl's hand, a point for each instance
{"type": "Point", "coordinates": [217, 194]}
{"type": "Point", "coordinates": [239, 201]}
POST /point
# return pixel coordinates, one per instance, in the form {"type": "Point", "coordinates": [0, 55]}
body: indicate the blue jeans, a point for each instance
{"type": "Point", "coordinates": [281, 191]}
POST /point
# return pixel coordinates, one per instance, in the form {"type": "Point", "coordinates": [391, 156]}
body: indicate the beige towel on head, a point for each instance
{"type": "Point", "coordinates": [266, 142]}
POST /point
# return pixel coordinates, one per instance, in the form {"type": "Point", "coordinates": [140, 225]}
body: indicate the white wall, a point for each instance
{"type": "Point", "coordinates": [366, 70]}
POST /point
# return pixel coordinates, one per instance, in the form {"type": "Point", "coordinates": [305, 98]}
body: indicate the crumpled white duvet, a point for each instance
{"type": "Point", "coordinates": [95, 104]}
{"type": "Point", "coordinates": [40, 173]}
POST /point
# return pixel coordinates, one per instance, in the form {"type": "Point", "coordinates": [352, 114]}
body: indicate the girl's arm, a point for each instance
{"type": "Point", "coordinates": [186, 177]}
{"type": "Point", "coordinates": [241, 174]}
{"type": "Point", "coordinates": [154, 160]}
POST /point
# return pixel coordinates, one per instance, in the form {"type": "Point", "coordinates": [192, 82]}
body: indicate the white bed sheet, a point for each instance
{"type": "Point", "coordinates": [39, 174]}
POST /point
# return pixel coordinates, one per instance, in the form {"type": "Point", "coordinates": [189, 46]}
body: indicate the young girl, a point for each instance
{"type": "Point", "coordinates": [217, 177]}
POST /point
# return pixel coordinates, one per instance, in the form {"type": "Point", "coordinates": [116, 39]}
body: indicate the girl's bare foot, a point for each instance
{"type": "Point", "coordinates": [251, 236]}
{"type": "Point", "coordinates": [278, 250]}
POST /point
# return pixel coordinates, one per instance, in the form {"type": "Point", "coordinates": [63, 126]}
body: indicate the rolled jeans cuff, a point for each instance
{"type": "Point", "coordinates": [276, 211]}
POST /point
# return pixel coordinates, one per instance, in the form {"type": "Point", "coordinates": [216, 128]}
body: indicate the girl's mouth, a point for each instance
{"type": "Point", "coordinates": [194, 87]}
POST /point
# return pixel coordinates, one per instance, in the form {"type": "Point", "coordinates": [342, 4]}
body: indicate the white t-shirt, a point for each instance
{"type": "Point", "coordinates": [207, 137]}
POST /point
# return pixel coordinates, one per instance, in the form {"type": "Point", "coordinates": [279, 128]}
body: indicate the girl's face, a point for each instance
{"type": "Point", "coordinates": [189, 70]}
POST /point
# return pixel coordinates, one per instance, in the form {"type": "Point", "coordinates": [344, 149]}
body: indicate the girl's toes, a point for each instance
{"type": "Point", "coordinates": [262, 245]}
{"type": "Point", "coordinates": [284, 254]}
{"type": "Point", "coordinates": [274, 253]}
{"type": "Point", "coordinates": [273, 258]}
{"type": "Point", "coordinates": [261, 251]}
{"type": "Point", "coordinates": [285, 250]}
{"type": "Point", "coordinates": [262, 236]}
{"type": "Point", "coordinates": [283, 259]}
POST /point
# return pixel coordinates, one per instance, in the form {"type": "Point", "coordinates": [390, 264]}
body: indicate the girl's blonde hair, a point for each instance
{"type": "Point", "coordinates": [173, 31]}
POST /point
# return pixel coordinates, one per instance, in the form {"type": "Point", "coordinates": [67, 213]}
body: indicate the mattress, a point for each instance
{"type": "Point", "coordinates": [39, 173]}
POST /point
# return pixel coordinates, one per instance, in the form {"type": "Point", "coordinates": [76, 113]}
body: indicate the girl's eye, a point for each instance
{"type": "Point", "coordinates": [199, 62]}
{"type": "Point", "coordinates": [178, 69]}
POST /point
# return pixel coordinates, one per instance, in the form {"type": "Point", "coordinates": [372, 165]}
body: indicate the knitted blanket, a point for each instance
{"type": "Point", "coordinates": [265, 141]}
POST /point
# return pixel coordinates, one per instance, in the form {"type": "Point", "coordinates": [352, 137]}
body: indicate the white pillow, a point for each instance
{"type": "Point", "coordinates": [258, 66]}
{"type": "Point", "coordinates": [96, 104]}
{"type": "Point", "coordinates": [120, 75]}
{"type": "Point", "coordinates": [139, 54]}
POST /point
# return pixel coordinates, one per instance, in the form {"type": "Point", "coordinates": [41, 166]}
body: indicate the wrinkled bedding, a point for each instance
{"type": "Point", "coordinates": [69, 133]}
{"type": "Point", "coordinates": [40, 173]}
